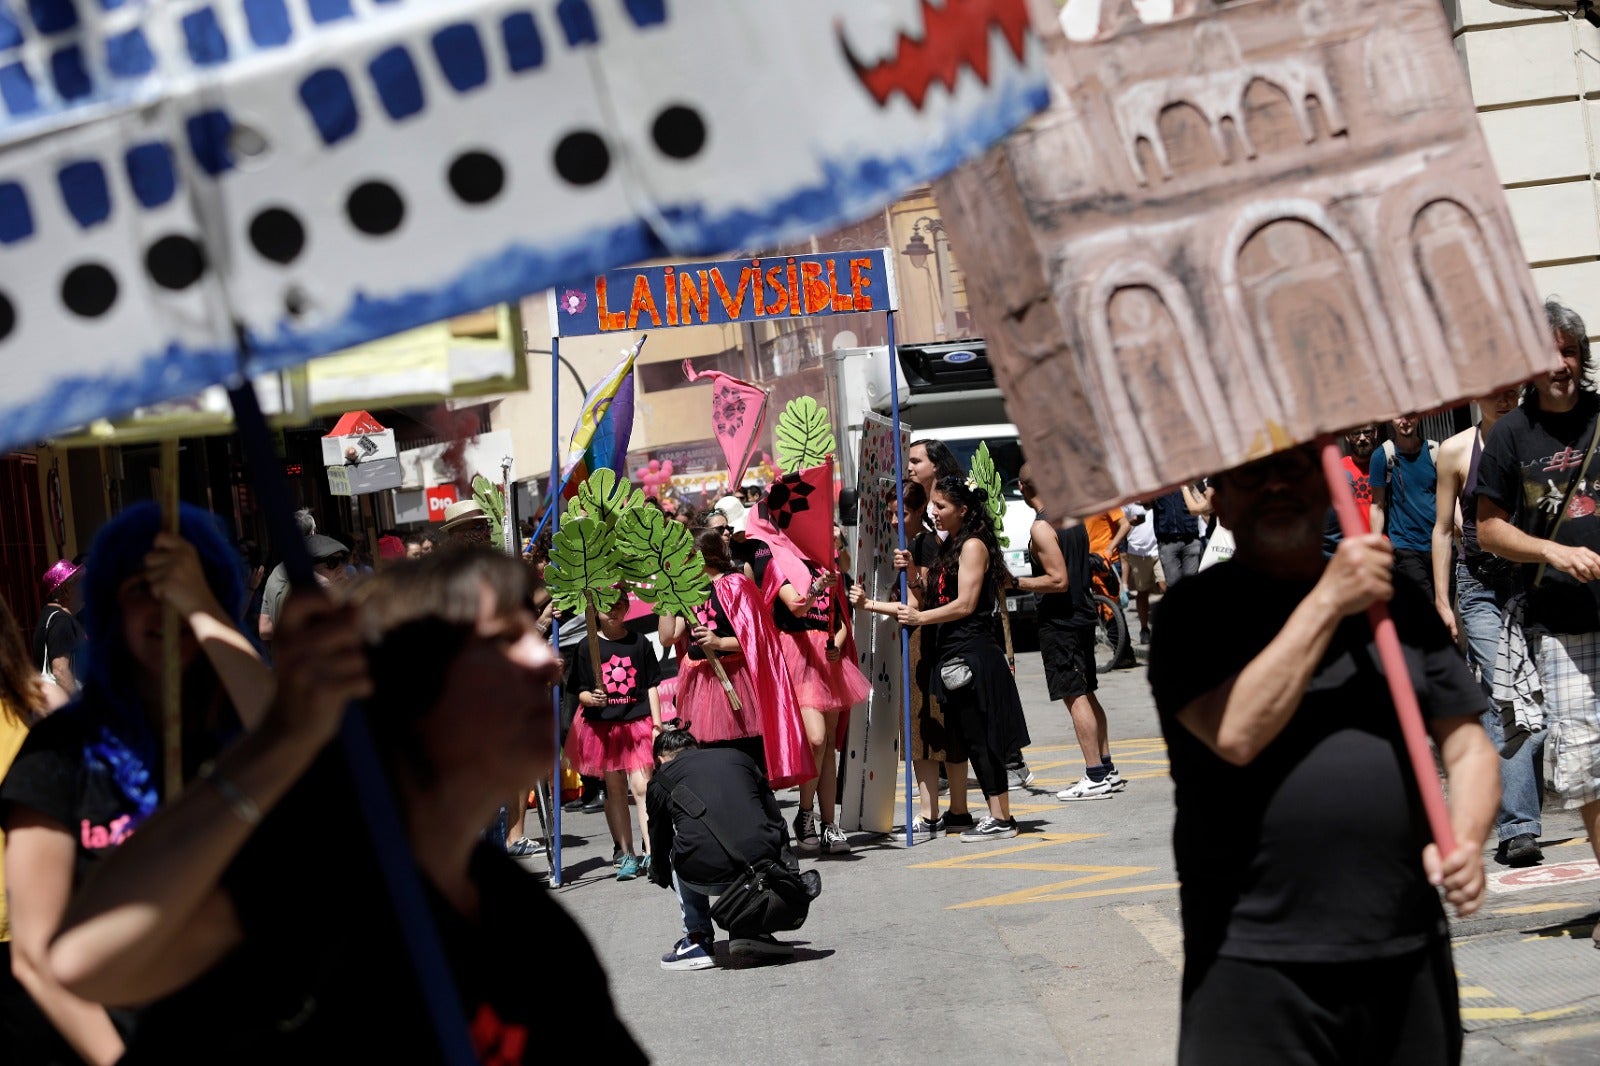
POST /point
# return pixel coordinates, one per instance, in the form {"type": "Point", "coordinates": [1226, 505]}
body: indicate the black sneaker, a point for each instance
{"type": "Point", "coordinates": [952, 820]}
{"type": "Point", "coordinates": [1144, 635]}
{"type": "Point", "coordinates": [922, 829]}
{"type": "Point", "coordinates": [597, 802]}
{"type": "Point", "coordinates": [806, 836]}
{"type": "Point", "coordinates": [759, 946]}
{"type": "Point", "coordinates": [1521, 850]}
{"type": "Point", "coordinates": [693, 952]}
{"type": "Point", "coordinates": [990, 828]}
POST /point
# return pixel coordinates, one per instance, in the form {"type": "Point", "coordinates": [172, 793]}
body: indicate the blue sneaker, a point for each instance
{"type": "Point", "coordinates": [693, 952]}
{"type": "Point", "coordinates": [629, 868]}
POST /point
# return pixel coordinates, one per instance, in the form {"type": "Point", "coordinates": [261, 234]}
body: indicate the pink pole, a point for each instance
{"type": "Point", "coordinates": [1394, 663]}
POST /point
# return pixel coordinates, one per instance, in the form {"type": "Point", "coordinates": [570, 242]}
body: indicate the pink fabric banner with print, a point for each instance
{"type": "Point", "coordinates": [737, 410]}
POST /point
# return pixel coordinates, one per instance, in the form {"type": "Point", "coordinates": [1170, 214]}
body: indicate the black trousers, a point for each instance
{"type": "Point", "coordinates": [1416, 567]}
{"type": "Point", "coordinates": [1402, 1011]}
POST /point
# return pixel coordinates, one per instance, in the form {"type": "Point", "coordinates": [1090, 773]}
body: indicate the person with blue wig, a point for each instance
{"type": "Point", "coordinates": [89, 775]}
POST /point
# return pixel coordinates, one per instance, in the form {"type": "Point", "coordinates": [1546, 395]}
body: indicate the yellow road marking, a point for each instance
{"type": "Point", "coordinates": [1540, 908]}
{"type": "Point", "coordinates": [1489, 1014]}
{"type": "Point", "coordinates": [1087, 875]}
{"type": "Point", "coordinates": [1558, 1012]}
{"type": "Point", "coordinates": [1474, 992]}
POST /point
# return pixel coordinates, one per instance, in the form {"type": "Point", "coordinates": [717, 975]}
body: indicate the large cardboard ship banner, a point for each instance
{"type": "Point", "coordinates": [1238, 226]}
{"type": "Point", "coordinates": [874, 743]}
{"type": "Point", "coordinates": [186, 182]}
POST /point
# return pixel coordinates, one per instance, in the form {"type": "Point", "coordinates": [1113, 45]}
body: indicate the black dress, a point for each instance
{"type": "Point", "coordinates": [987, 711]}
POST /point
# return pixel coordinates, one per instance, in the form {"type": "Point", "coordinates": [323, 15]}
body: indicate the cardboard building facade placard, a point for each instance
{"type": "Point", "coordinates": [1239, 225]}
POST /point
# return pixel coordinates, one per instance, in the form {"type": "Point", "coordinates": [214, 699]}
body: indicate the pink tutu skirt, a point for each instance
{"type": "Point", "coordinates": [819, 684]}
{"type": "Point", "coordinates": [702, 700]}
{"type": "Point", "coordinates": [593, 748]}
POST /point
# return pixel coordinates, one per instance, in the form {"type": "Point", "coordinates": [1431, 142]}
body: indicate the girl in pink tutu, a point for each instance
{"type": "Point", "coordinates": [615, 729]}
{"type": "Point", "coordinates": [736, 625]}
{"type": "Point", "coordinates": [814, 634]}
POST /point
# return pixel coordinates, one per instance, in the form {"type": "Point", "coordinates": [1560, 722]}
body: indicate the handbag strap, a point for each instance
{"type": "Point", "coordinates": [44, 663]}
{"type": "Point", "coordinates": [1572, 487]}
{"type": "Point", "coordinates": [683, 796]}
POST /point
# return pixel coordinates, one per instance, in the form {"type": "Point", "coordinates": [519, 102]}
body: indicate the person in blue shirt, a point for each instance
{"type": "Point", "coordinates": [1404, 482]}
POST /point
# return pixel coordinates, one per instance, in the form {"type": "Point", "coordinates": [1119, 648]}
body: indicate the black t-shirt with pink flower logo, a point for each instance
{"type": "Point", "coordinates": [818, 615]}
{"type": "Point", "coordinates": [711, 615]}
{"type": "Point", "coordinates": [629, 669]}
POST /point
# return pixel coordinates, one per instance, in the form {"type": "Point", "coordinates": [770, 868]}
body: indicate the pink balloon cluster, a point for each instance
{"type": "Point", "coordinates": [653, 475]}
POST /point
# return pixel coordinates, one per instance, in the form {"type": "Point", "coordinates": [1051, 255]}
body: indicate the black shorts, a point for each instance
{"type": "Point", "coordinates": [1068, 655]}
{"type": "Point", "coordinates": [1400, 1011]}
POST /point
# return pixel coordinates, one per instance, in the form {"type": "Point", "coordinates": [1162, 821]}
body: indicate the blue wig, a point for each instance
{"type": "Point", "coordinates": [121, 738]}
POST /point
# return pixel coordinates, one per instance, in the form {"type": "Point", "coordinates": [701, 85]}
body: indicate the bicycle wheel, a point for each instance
{"type": "Point", "coordinates": [1111, 635]}
{"type": "Point", "coordinates": [546, 827]}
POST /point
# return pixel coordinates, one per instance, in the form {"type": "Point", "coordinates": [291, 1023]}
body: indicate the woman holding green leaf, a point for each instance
{"type": "Point", "coordinates": [612, 735]}
{"type": "Point", "coordinates": [734, 625]}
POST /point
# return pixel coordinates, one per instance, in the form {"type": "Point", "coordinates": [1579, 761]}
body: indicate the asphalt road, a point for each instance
{"type": "Point", "coordinates": [1060, 946]}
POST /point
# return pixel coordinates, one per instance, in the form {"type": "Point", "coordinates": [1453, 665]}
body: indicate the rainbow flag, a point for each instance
{"type": "Point", "coordinates": [600, 438]}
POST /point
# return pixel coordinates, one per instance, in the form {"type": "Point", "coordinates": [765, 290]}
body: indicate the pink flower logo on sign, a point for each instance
{"type": "Point", "coordinates": [573, 302]}
{"type": "Point", "coordinates": [619, 675]}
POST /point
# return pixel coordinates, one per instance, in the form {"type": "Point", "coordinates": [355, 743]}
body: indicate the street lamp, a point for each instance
{"type": "Point", "coordinates": [917, 250]}
{"type": "Point", "coordinates": [583, 390]}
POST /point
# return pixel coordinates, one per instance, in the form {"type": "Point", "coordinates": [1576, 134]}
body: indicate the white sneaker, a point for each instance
{"type": "Point", "coordinates": [834, 842]}
{"type": "Point", "coordinates": [1116, 782]}
{"type": "Point", "coordinates": [1086, 789]}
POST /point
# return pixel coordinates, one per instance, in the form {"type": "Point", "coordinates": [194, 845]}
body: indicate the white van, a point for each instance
{"type": "Point", "coordinates": [947, 392]}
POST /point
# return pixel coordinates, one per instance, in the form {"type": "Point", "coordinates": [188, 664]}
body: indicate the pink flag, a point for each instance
{"type": "Point", "coordinates": [737, 409]}
{"type": "Point", "coordinates": [796, 521]}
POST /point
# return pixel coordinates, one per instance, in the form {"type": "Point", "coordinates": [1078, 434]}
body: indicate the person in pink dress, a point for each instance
{"type": "Point", "coordinates": [617, 722]}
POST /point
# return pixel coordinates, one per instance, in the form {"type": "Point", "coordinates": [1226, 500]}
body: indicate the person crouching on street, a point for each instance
{"type": "Point", "coordinates": [685, 855]}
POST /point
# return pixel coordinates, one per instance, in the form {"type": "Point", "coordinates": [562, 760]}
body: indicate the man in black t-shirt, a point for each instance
{"type": "Point", "coordinates": [1067, 616]}
{"type": "Point", "coordinates": [1312, 927]}
{"type": "Point", "coordinates": [1537, 498]}
{"type": "Point", "coordinates": [58, 636]}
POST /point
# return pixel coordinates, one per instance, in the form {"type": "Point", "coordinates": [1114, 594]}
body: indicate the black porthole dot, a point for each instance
{"type": "Point", "coordinates": [8, 317]}
{"type": "Point", "coordinates": [375, 208]}
{"type": "Point", "coordinates": [277, 235]}
{"type": "Point", "coordinates": [679, 132]}
{"type": "Point", "coordinates": [175, 262]}
{"type": "Point", "coordinates": [582, 158]}
{"type": "Point", "coordinates": [89, 290]}
{"type": "Point", "coordinates": [477, 177]}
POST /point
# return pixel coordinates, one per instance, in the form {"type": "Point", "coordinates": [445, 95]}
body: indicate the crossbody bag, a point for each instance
{"type": "Point", "coordinates": [767, 897]}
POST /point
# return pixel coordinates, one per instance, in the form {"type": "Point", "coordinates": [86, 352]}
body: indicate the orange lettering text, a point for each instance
{"type": "Point", "coordinates": [794, 289]}
{"type": "Point", "coordinates": [735, 303]}
{"type": "Point", "coordinates": [841, 302]}
{"type": "Point", "coordinates": [859, 281]}
{"type": "Point", "coordinates": [818, 296]}
{"type": "Point", "coordinates": [644, 301]}
{"type": "Point", "coordinates": [780, 294]}
{"type": "Point", "coordinates": [609, 319]}
{"type": "Point", "coordinates": [672, 305]}
{"type": "Point", "coordinates": [693, 299]}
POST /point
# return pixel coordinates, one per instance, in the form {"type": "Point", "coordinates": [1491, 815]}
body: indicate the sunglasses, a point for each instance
{"type": "Point", "coordinates": [333, 562]}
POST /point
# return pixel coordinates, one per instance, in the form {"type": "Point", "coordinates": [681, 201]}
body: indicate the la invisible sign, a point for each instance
{"type": "Point", "coordinates": [716, 293]}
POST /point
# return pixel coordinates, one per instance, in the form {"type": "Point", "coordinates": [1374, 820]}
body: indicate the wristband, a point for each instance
{"type": "Point", "coordinates": [244, 808]}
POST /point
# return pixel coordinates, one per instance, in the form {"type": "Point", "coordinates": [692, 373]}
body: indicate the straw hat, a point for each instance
{"type": "Point", "coordinates": [734, 510]}
{"type": "Point", "coordinates": [461, 512]}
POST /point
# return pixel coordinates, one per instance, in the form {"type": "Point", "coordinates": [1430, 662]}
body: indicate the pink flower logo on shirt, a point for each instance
{"type": "Point", "coordinates": [619, 675]}
{"type": "Point", "coordinates": [706, 614]}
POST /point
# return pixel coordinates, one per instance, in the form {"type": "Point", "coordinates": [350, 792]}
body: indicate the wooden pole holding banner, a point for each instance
{"type": "Point", "coordinates": [171, 634]}
{"type": "Point", "coordinates": [900, 532]}
{"type": "Point", "coordinates": [1394, 663]}
{"type": "Point", "coordinates": [552, 515]}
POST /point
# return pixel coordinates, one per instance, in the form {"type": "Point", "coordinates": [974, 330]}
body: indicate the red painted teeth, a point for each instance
{"type": "Point", "coordinates": [954, 36]}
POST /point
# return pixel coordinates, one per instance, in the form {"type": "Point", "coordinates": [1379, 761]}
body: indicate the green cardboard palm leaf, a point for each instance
{"type": "Point", "coordinates": [493, 504]}
{"type": "Point", "coordinates": [605, 496]}
{"type": "Point", "coordinates": [661, 563]}
{"type": "Point", "coordinates": [987, 477]}
{"type": "Point", "coordinates": [584, 564]}
{"type": "Point", "coordinates": [803, 435]}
